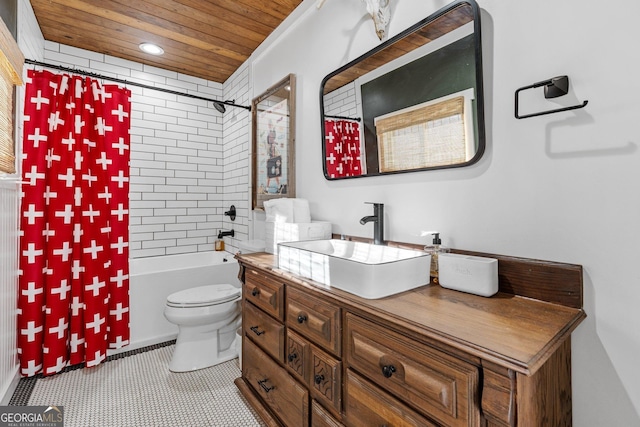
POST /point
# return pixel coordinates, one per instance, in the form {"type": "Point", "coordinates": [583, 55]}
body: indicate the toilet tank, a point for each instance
{"type": "Point", "coordinates": [251, 246]}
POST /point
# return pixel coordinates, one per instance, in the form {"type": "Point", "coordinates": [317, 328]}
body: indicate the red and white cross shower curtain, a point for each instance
{"type": "Point", "coordinates": [342, 148]}
{"type": "Point", "coordinates": [74, 281]}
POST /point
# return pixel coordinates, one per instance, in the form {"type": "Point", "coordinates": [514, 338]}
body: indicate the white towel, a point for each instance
{"type": "Point", "coordinates": [287, 210]}
{"type": "Point", "coordinates": [279, 210]}
{"type": "Point", "coordinates": [301, 211]}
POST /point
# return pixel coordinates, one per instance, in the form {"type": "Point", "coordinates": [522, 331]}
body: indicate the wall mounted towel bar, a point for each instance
{"type": "Point", "coordinates": [553, 88]}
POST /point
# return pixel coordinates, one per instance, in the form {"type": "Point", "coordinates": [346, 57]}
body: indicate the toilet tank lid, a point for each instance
{"type": "Point", "coordinates": [204, 295]}
{"type": "Point", "coordinates": [248, 246]}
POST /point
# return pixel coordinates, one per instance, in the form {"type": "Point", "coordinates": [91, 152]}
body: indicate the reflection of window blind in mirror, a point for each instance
{"type": "Point", "coordinates": [432, 134]}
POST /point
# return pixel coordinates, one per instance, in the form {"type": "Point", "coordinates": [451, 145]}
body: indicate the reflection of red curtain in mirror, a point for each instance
{"type": "Point", "coordinates": [342, 148]}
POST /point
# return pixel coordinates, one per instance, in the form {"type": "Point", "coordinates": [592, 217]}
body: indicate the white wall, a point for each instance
{"type": "Point", "coordinates": [562, 187]}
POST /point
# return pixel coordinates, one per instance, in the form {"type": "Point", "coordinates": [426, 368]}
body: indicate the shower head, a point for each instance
{"type": "Point", "coordinates": [219, 107]}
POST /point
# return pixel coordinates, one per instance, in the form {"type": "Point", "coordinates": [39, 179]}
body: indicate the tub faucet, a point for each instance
{"type": "Point", "coordinates": [222, 234]}
{"type": "Point", "coordinates": [378, 222]}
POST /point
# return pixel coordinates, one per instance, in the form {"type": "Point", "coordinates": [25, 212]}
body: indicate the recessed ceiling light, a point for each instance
{"type": "Point", "coordinates": [151, 48]}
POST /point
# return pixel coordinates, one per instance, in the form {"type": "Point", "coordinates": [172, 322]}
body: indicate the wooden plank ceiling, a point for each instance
{"type": "Point", "coordinates": [203, 38]}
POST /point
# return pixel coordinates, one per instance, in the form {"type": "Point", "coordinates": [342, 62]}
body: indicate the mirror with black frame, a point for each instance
{"type": "Point", "coordinates": [412, 103]}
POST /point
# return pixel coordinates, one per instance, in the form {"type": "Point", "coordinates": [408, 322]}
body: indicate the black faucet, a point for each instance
{"type": "Point", "coordinates": [378, 220]}
{"type": "Point", "coordinates": [222, 234]}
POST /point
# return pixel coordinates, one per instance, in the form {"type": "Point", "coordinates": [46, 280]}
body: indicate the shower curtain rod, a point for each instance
{"type": "Point", "coordinates": [127, 82]}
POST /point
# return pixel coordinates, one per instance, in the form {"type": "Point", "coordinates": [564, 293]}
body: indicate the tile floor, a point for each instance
{"type": "Point", "coordinates": [139, 390]}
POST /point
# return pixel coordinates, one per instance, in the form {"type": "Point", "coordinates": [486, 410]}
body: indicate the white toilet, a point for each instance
{"type": "Point", "coordinates": [251, 246]}
{"type": "Point", "coordinates": [207, 319]}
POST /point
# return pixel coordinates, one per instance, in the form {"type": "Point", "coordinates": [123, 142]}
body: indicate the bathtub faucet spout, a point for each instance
{"type": "Point", "coordinates": [222, 234]}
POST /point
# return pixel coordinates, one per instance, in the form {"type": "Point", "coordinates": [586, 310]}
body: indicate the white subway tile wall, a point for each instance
{"type": "Point", "coordinates": [183, 178]}
{"type": "Point", "coordinates": [343, 102]}
{"type": "Point", "coordinates": [236, 155]}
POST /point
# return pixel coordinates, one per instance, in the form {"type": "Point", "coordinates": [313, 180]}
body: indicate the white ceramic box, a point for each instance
{"type": "Point", "coordinates": [466, 273]}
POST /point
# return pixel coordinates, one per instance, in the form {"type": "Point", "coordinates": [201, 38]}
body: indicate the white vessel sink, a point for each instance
{"type": "Point", "coordinates": [366, 270]}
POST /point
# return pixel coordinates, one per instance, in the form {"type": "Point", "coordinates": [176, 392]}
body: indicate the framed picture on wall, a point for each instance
{"type": "Point", "coordinates": [273, 142]}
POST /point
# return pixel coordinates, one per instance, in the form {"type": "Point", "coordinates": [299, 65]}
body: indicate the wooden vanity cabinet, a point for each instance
{"type": "Point", "coordinates": [427, 357]}
{"type": "Point", "coordinates": [291, 352]}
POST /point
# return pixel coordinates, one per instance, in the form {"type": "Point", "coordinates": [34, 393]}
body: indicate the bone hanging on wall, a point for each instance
{"type": "Point", "coordinates": [380, 12]}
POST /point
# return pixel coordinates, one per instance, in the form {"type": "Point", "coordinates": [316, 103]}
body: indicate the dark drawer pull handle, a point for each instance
{"type": "Point", "coordinates": [255, 292]}
{"type": "Point", "coordinates": [292, 357]}
{"type": "Point", "coordinates": [256, 331]}
{"type": "Point", "coordinates": [302, 318]}
{"type": "Point", "coordinates": [318, 379]}
{"type": "Point", "coordinates": [388, 370]}
{"type": "Point", "coordinates": [266, 388]}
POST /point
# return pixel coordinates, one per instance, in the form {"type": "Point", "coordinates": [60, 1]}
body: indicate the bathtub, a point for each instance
{"type": "Point", "coordinates": [152, 279]}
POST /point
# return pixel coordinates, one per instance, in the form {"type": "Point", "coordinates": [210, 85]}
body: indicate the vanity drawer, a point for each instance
{"type": "Point", "coordinates": [326, 379]}
{"type": "Point", "coordinates": [431, 381]}
{"type": "Point", "coordinates": [321, 418]}
{"type": "Point", "coordinates": [315, 319]}
{"type": "Point", "coordinates": [297, 357]}
{"type": "Point", "coordinates": [498, 397]}
{"type": "Point", "coordinates": [288, 399]}
{"type": "Point", "coordinates": [265, 292]}
{"type": "Point", "coordinates": [263, 330]}
{"type": "Point", "coordinates": [368, 406]}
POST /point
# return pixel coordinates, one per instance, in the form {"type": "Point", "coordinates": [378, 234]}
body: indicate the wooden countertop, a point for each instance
{"type": "Point", "coordinates": [513, 331]}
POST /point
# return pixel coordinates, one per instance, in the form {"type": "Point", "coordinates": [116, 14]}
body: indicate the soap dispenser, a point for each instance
{"type": "Point", "coordinates": [435, 249]}
{"type": "Point", "coordinates": [219, 245]}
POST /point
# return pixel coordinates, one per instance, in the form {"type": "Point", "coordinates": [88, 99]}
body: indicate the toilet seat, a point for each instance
{"type": "Point", "coordinates": [203, 296]}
